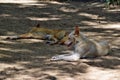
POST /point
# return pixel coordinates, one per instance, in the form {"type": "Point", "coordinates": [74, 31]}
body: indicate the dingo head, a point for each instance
{"type": "Point", "coordinates": [73, 37]}
{"type": "Point", "coordinates": [35, 28]}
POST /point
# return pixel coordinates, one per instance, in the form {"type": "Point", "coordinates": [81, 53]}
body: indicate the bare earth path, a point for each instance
{"type": "Point", "coordinates": [30, 59]}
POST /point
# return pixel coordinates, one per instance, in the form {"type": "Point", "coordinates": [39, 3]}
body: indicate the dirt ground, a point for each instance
{"type": "Point", "coordinates": [30, 59]}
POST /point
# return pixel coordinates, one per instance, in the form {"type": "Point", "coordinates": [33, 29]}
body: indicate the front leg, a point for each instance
{"type": "Point", "coordinates": [51, 39]}
{"type": "Point", "coordinates": [68, 57]}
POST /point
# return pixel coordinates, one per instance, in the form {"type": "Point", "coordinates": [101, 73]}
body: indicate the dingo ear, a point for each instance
{"type": "Point", "coordinates": [38, 25]}
{"type": "Point", "coordinates": [77, 31]}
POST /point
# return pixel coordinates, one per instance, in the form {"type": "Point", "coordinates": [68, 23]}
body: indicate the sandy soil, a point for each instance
{"type": "Point", "coordinates": [30, 59]}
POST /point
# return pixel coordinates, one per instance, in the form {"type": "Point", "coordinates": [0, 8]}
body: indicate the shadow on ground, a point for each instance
{"type": "Point", "coordinates": [20, 57]}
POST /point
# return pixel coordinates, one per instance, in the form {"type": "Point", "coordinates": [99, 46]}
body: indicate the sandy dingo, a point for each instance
{"type": "Point", "coordinates": [83, 47]}
{"type": "Point", "coordinates": [37, 32]}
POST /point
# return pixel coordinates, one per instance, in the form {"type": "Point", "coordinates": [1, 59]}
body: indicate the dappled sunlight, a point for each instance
{"type": "Point", "coordinates": [110, 57]}
{"type": "Point", "coordinates": [7, 42]}
{"type": "Point", "coordinates": [23, 77]}
{"type": "Point", "coordinates": [32, 74]}
{"type": "Point", "coordinates": [5, 15]}
{"type": "Point", "coordinates": [10, 33]}
{"type": "Point", "coordinates": [97, 4]}
{"type": "Point", "coordinates": [99, 74]}
{"type": "Point", "coordinates": [19, 1]}
{"type": "Point", "coordinates": [30, 59]}
{"type": "Point", "coordinates": [92, 16]}
{"type": "Point", "coordinates": [95, 19]}
{"type": "Point", "coordinates": [105, 62]}
{"type": "Point", "coordinates": [41, 57]}
{"type": "Point", "coordinates": [115, 43]}
{"type": "Point", "coordinates": [58, 3]}
{"type": "Point", "coordinates": [109, 32]}
{"type": "Point", "coordinates": [60, 69]}
{"type": "Point", "coordinates": [42, 19]}
{"type": "Point", "coordinates": [69, 9]}
{"type": "Point", "coordinates": [23, 62]}
{"type": "Point", "coordinates": [114, 10]}
{"type": "Point", "coordinates": [89, 23]}
{"type": "Point", "coordinates": [33, 4]}
{"type": "Point", "coordinates": [4, 55]}
{"type": "Point", "coordinates": [112, 26]}
{"type": "Point", "coordinates": [15, 50]}
{"type": "Point", "coordinates": [31, 41]}
{"type": "Point", "coordinates": [3, 66]}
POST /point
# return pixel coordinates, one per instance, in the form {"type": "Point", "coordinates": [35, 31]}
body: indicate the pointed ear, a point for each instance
{"type": "Point", "coordinates": [77, 31]}
{"type": "Point", "coordinates": [38, 25]}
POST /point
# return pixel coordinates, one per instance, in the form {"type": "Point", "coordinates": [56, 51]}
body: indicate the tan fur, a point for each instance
{"type": "Point", "coordinates": [37, 32]}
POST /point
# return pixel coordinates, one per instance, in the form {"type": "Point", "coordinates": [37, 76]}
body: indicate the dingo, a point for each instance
{"type": "Point", "coordinates": [83, 47]}
{"type": "Point", "coordinates": [54, 36]}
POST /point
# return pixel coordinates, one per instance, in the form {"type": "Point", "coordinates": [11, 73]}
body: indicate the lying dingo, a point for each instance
{"type": "Point", "coordinates": [83, 47]}
{"type": "Point", "coordinates": [37, 32]}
